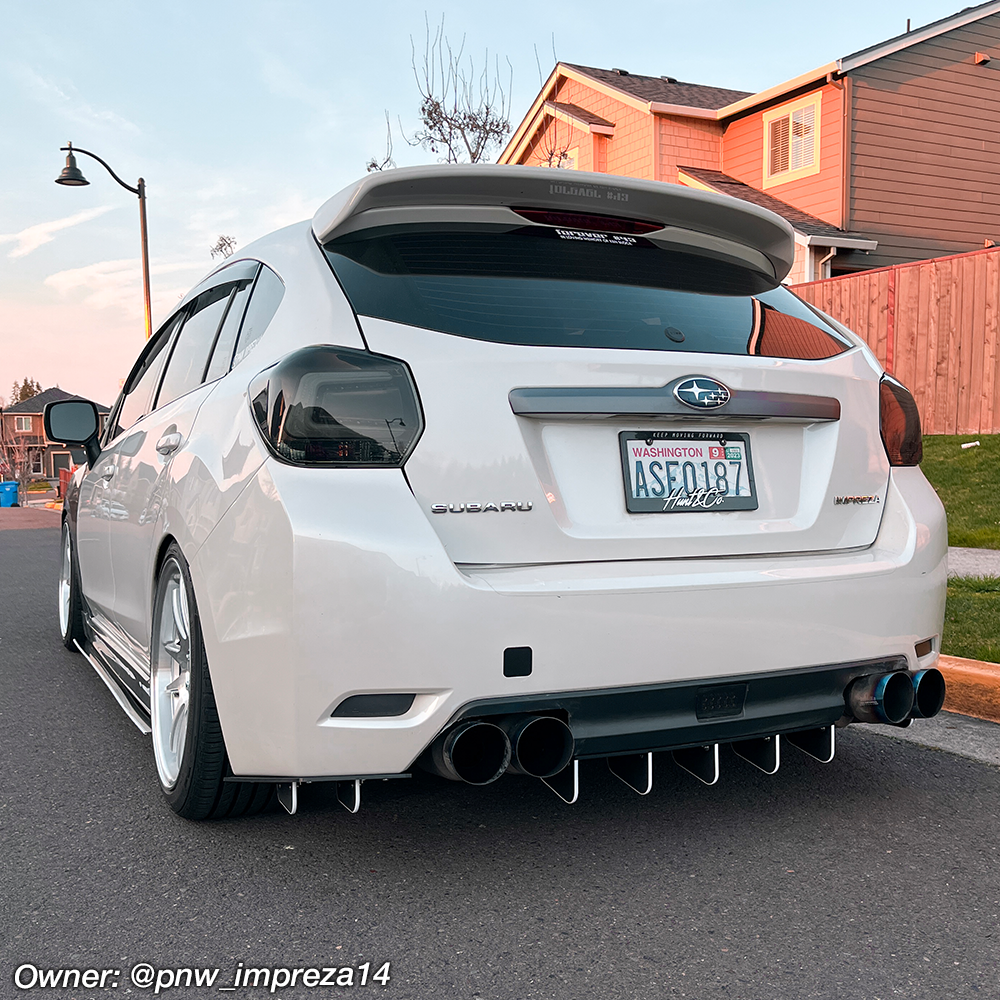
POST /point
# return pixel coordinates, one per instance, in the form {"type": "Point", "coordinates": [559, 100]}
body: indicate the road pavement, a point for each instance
{"type": "Point", "coordinates": [873, 877]}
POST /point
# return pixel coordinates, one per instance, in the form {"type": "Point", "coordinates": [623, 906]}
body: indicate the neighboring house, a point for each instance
{"type": "Point", "coordinates": [884, 156]}
{"type": "Point", "coordinates": [24, 448]}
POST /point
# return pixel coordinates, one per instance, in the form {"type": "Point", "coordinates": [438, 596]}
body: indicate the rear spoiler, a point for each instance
{"type": "Point", "coordinates": [703, 220]}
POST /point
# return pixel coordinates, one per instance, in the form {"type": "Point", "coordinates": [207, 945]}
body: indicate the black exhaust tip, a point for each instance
{"type": "Point", "coordinates": [541, 745]}
{"type": "Point", "coordinates": [473, 751]}
{"type": "Point", "coordinates": [928, 693]}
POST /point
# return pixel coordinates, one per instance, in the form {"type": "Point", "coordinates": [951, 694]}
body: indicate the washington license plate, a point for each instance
{"type": "Point", "coordinates": [673, 472]}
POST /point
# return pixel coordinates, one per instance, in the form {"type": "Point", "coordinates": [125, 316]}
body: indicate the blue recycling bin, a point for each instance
{"type": "Point", "coordinates": [8, 494]}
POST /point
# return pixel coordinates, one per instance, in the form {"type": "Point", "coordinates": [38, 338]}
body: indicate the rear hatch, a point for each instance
{"type": "Point", "coordinates": [600, 394]}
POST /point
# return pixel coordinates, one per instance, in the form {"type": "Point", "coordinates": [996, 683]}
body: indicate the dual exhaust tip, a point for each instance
{"type": "Point", "coordinates": [478, 752]}
{"type": "Point", "coordinates": [896, 697]}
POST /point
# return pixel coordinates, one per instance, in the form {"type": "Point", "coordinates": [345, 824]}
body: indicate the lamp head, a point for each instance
{"type": "Point", "coordinates": [71, 173]}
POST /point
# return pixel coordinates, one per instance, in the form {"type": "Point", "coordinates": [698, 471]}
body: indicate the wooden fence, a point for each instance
{"type": "Point", "coordinates": [935, 325]}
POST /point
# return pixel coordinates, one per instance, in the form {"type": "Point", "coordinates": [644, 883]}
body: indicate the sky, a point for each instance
{"type": "Point", "coordinates": [246, 116]}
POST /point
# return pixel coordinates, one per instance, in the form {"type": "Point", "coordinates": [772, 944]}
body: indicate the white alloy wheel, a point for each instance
{"type": "Point", "coordinates": [71, 629]}
{"type": "Point", "coordinates": [170, 680]}
{"type": "Point", "coordinates": [65, 582]}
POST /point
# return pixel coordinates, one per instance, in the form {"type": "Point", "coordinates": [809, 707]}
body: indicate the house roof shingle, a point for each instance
{"type": "Point", "coordinates": [655, 88]}
{"type": "Point", "coordinates": [37, 404]}
{"type": "Point", "coordinates": [581, 114]}
{"type": "Point", "coordinates": [802, 222]}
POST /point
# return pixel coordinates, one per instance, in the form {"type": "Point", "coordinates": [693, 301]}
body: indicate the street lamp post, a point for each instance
{"type": "Point", "coordinates": [73, 177]}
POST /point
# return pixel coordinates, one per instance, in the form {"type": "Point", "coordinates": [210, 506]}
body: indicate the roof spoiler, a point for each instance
{"type": "Point", "coordinates": [702, 220]}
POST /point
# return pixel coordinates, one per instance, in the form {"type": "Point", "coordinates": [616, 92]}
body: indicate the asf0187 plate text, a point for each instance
{"type": "Point", "coordinates": [673, 472]}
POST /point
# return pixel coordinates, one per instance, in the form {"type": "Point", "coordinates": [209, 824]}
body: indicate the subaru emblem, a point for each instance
{"type": "Point", "coordinates": [701, 392]}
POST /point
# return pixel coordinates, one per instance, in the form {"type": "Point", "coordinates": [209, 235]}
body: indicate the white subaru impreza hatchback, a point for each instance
{"type": "Point", "coordinates": [494, 469]}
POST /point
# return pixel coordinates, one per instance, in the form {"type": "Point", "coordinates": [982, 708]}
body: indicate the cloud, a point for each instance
{"type": "Point", "coordinates": [35, 236]}
{"type": "Point", "coordinates": [117, 284]}
{"type": "Point", "coordinates": [70, 105]}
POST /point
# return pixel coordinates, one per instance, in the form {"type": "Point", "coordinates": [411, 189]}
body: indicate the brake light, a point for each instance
{"type": "Point", "coordinates": [588, 223]}
{"type": "Point", "coordinates": [333, 406]}
{"type": "Point", "coordinates": [899, 423]}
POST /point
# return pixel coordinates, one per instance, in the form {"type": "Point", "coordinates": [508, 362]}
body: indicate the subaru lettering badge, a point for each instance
{"type": "Point", "coordinates": [701, 392]}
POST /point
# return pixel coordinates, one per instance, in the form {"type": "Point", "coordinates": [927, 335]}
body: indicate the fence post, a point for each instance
{"type": "Point", "coordinates": [890, 323]}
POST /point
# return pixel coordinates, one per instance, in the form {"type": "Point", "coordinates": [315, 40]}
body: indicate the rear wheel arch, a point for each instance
{"type": "Point", "coordinates": [193, 770]}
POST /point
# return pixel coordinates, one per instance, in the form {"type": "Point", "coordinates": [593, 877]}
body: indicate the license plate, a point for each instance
{"type": "Point", "coordinates": [673, 472]}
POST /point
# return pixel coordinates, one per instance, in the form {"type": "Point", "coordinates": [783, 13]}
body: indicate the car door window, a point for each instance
{"type": "Point", "coordinates": [190, 354]}
{"type": "Point", "coordinates": [264, 301]}
{"type": "Point", "coordinates": [140, 386]}
{"type": "Point", "coordinates": [222, 353]}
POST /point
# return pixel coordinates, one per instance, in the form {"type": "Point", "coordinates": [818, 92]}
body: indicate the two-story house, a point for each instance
{"type": "Point", "coordinates": [25, 452]}
{"type": "Point", "coordinates": [886, 155]}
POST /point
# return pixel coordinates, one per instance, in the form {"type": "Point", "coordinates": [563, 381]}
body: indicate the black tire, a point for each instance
{"type": "Point", "coordinates": [193, 779]}
{"type": "Point", "coordinates": [70, 602]}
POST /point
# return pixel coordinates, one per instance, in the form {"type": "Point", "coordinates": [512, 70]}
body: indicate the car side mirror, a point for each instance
{"type": "Point", "coordinates": [74, 421]}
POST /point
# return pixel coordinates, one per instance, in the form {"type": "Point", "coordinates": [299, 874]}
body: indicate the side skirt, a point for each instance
{"type": "Point", "coordinates": [120, 693]}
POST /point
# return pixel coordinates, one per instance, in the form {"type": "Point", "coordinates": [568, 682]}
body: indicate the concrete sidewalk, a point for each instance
{"type": "Point", "coordinates": [973, 562]}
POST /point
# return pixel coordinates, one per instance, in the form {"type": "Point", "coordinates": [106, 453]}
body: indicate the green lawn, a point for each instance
{"type": "Point", "coordinates": [972, 618]}
{"type": "Point", "coordinates": [968, 482]}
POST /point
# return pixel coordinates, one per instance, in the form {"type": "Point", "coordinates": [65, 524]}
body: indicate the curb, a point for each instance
{"type": "Point", "coordinates": [973, 687]}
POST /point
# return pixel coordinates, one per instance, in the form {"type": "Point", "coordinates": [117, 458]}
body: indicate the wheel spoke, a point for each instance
{"type": "Point", "coordinates": [178, 684]}
{"type": "Point", "coordinates": [170, 668]}
{"type": "Point", "coordinates": [178, 727]}
{"type": "Point", "coordinates": [179, 606]}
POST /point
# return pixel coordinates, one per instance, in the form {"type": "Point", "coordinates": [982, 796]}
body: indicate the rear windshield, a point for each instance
{"type": "Point", "coordinates": [553, 287]}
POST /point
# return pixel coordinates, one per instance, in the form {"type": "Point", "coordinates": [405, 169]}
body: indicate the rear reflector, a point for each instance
{"type": "Point", "coordinates": [899, 423]}
{"type": "Point", "coordinates": [369, 706]}
{"type": "Point", "coordinates": [589, 223]}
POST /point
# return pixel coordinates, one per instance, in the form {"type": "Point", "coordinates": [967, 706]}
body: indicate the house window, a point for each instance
{"type": "Point", "coordinates": [36, 463]}
{"type": "Point", "coordinates": [22, 423]}
{"type": "Point", "coordinates": [791, 141]}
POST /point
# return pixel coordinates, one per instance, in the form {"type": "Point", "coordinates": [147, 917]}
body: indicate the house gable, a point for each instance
{"type": "Point", "coordinates": [620, 123]}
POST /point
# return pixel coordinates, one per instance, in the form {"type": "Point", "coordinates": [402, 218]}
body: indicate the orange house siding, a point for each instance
{"type": "Point", "coordinates": [629, 152]}
{"type": "Point", "coordinates": [557, 136]}
{"type": "Point", "coordinates": [820, 195]}
{"type": "Point", "coordinates": [688, 142]}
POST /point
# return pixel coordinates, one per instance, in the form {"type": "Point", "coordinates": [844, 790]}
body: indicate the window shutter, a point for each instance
{"type": "Point", "coordinates": [803, 145]}
{"type": "Point", "coordinates": [777, 146]}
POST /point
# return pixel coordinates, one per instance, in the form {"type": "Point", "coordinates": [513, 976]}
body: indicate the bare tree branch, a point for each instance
{"type": "Point", "coordinates": [387, 161]}
{"type": "Point", "coordinates": [224, 247]}
{"type": "Point", "coordinates": [464, 115]}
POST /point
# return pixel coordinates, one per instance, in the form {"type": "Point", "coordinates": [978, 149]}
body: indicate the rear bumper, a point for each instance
{"type": "Point", "coordinates": [318, 585]}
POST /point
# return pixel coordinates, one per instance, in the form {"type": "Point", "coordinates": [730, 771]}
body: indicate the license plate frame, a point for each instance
{"type": "Point", "coordinates": [678, 500]}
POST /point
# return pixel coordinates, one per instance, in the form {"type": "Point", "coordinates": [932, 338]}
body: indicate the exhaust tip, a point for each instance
{"type": "Point", "coordinates": [473, 751]}
{"type": "Point", "coordinates": [928, 693]}
{"type": "Point", "coordinates": [881, 697]}
{"type": "Point", "coordinates": [541, 745]}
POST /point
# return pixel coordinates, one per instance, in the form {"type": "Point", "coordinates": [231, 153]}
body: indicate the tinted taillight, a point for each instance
{"type": "Point", "coordinates": [333, 406]}
{"type": "Point", "coordinates": [899, 423]}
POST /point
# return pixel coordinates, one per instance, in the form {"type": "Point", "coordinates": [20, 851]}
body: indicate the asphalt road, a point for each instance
{"type": "Point", "coordinates": [873, 877]}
